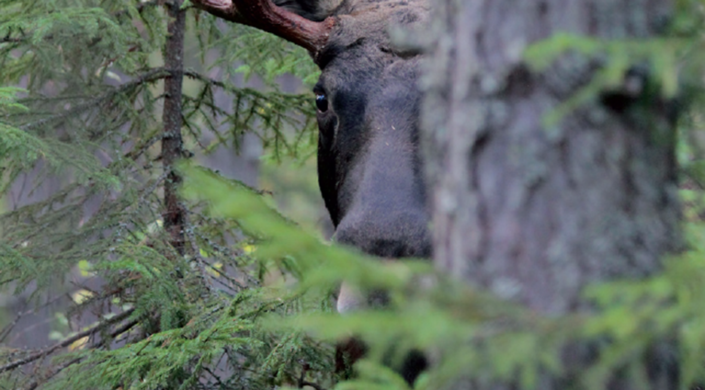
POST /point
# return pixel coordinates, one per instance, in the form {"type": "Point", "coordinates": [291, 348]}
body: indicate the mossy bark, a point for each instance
{"type": "Point", "coordinates": [535, 213]}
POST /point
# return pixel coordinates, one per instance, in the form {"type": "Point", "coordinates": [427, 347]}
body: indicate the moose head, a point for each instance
{"type": "Point", "coordinates": [369, 165]}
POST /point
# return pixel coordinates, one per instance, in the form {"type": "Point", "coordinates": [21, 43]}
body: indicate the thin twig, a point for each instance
{"type": "Point", "coordinates": [151, 76]}
{"type": "Point", "coordinates": [122, 329]}
{"type": "Point", "coordinates": [314, 385]}
{"type": "Point", "coordinates": [35, 383]}
{"type": "Point", "coordinates": [221, 384]}
{"type": "Point", "coordinates": [10, 40]}
{"type": "Point", "coordinates": [304, 370]}
{"type": "Point", "coordinates": [8, 329]}
{"type": "Point", "coordinates": [142, 6]}
{"type": "Point", "coordinates": [66, 342]}
{"type": "Point", "coordinates": [302, 382]}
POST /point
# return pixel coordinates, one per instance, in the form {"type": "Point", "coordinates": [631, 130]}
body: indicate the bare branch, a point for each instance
{"type": "Point", "coordinates": [34, 384]}
{"type": "Point", "coordinates": [66, 342]}
{"type": "Point", "coordinates": [311, 384]}
{"type": "Point", "coordinates": [142, 6]}
{"type": "Point", "coordinates": [118, 331]}
{"type": "Point", "coordinates": [10, 40]}
{"type": "Point", "coordinates": [8, 329]}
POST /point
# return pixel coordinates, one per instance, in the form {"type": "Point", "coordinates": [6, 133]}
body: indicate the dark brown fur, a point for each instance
{"type": "Point", "coordinates": [369, 163]}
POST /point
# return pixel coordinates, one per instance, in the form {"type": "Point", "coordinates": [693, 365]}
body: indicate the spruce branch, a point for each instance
{"type": "Point", "coordinates": [199, 261]}
{"type": "Point", "coordinates": [35, 383]}
{"type": "Point", "coordinates": [107, 136]}
{"type": "Point", "coordinates": [10, 40]}
{"type": "Point", "coordinates": [118, 331]}
{"type": "Point", "coordinates": [124, 328]}
{"type": "Point", "coordinates": [148, 77]}
{"type": "Point", "coordinates": [142, 6]}
{"type": "Point", "coordinates": [68, 341]}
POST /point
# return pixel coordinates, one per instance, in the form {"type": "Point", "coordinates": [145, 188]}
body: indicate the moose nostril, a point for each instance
{"type": "Point", "coordinates": [396, 236]}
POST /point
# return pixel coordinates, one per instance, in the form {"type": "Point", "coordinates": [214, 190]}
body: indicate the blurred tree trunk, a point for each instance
{"type": "Point", "coordinates": [531, 213]}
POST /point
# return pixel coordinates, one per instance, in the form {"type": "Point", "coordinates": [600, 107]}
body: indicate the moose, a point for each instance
{"type": "Point", "coordinates": [367, 99]}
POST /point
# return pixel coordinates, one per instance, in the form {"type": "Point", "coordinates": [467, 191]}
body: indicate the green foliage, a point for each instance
{"type": "Point", "coordinates": [193, 349]}
{"type": "Point", "coordinates": [246, 305]}
{"type": "Point", "coordinates": [476, 335]}
{"type": "Point", "coordinates": [266, 56]}
{"type": "Point", "coordinates": [81, 100]}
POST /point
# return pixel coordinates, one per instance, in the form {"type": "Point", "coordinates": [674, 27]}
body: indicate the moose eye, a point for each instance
{"type": "Point", "coordinates": [321, 102]}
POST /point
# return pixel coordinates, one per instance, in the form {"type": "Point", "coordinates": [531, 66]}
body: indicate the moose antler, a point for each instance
{"type": "Point", "coordinates": [264, 15]}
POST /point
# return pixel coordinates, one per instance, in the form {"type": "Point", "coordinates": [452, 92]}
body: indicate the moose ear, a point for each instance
{"type": "Point", "coordinates": [316, 10]}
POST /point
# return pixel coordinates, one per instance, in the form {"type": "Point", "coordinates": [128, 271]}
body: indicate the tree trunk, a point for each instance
{"type": "Point", "coordinates": [530, 213]}
{"type": "Point", "coordinates": [172, 142]}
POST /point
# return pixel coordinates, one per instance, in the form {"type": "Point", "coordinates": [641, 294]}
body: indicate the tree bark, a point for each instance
{"type": "Point", "coordinates": [530, 213]}
{"type": "Point", "coordinates": [172, 142]}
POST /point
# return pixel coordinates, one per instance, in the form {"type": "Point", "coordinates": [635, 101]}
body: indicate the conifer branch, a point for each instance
{"type": "Point", "coordinates": [140, 8]}
{"type": "Point", "coordinates": [66, 342]}
{"type": "Point", "coordinates": [8, 329]}
{"type": "Point", "coordinates": [35, 383]}
{"type": "Point", "coordinates": [107, 211]}
{"type": "Point", "coordinates": [118, 331]}
{"type": "Point", "coordinates": [124, 328]}
{"type": "Point", "coordinates": [10, 40]}
{"type": "Point", "coordinates": [148, 77]}
{"type": "Point", "coordinates": [230, 255]}
{"type": "Point", "coordinates": [143, 6]}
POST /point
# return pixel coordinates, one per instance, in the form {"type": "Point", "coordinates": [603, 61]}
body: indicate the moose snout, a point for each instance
{"type": "Point", "coordinates": [386, 234]}
{"type": "Point", "coordinates": [395, 235]}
